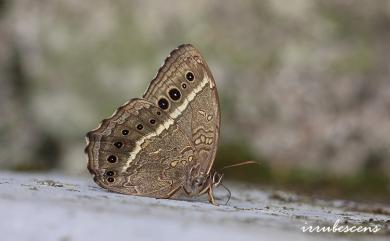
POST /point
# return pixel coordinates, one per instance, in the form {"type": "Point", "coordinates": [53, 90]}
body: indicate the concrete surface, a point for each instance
{"type": "Point", "coordinates": [54, 207]}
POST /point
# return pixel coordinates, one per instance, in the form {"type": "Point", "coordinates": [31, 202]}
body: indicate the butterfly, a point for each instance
{"type": "Point", "coordinates": [164, 144]}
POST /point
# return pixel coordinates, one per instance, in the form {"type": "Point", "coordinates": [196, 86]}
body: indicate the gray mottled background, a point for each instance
{"type": "Point", "coordinates": [304, 85]}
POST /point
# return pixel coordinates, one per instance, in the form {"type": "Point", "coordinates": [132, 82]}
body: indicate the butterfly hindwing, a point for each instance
{"type": "Point", "coordinates": [138, 151]}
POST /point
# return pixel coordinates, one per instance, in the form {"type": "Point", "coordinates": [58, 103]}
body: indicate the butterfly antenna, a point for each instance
{"type": "Point", "coordinates": [235, 165]}
{"type": "Point", "coordinates": [240, 164]}
{"type": "Point", "coordinates": [230, 194]}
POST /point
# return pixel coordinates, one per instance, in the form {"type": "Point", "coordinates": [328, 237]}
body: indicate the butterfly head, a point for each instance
{"type": "Point", "coordinates": [198, 182]}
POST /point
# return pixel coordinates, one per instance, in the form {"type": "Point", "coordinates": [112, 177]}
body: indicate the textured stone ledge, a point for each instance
{"type": "Point", "coordinates": [55, 207]}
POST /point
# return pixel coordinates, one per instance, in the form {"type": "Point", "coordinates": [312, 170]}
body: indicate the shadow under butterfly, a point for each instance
{"type": "Point", "coordinates": [162, 145]}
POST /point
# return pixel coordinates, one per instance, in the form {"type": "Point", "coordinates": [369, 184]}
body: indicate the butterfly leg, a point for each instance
{"type": "Point", "coordinates": [211, 196]}
{"type": "Point", "coordinates": [173, 192]}
{"type": "Point", "coordinates": [186, 191]}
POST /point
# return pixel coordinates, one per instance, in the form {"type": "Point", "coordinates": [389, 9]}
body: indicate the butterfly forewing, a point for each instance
{"type": "Point", "coordinates": [195, 107]}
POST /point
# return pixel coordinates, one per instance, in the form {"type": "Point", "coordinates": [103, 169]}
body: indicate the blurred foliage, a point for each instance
{"type": "Point", "coordinates": [234, 153]}
{"type": "Point", "coordinates": [368, 184]}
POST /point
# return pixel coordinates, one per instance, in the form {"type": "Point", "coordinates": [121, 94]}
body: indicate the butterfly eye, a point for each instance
{"type": "Point", "coordinates": [158, 113]}
{"type": "Point", "coordinates": [174, 94]}
{"type": "Point", "coordinates": [190, 76]}
{"type": "Point", "coordinates": [140, 126]}
{"type": "Point", "coordinates": [152, 121]}
{"type": "Point", "coordinates": [183, 85]}
{"type": "Point", "coordinates": [163, 103]}
{"type": "Point", "coordinates": [198, 182]}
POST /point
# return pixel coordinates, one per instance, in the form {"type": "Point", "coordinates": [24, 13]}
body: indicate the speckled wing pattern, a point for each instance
{"type": "Point", "coordinates": [149, 145]}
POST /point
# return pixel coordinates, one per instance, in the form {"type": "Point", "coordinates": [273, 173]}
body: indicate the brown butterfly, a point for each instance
{"type": "Point", "coordinates": [164, 144]}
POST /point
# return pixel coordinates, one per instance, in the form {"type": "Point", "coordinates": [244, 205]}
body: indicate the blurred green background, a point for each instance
{"type": "Point", "coordinates": [304, 85]}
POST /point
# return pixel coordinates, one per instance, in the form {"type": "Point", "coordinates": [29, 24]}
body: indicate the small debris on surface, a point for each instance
{"type": "Point", "coordinates": [50, 183]}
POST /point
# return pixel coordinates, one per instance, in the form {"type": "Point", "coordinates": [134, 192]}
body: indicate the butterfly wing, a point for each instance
{"type": "Point", "coordinates": [185, 89]}
{"type": "Point", "coordinates": [149, 145]}
{"type": "Point", "coordinates": [139, 151]}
